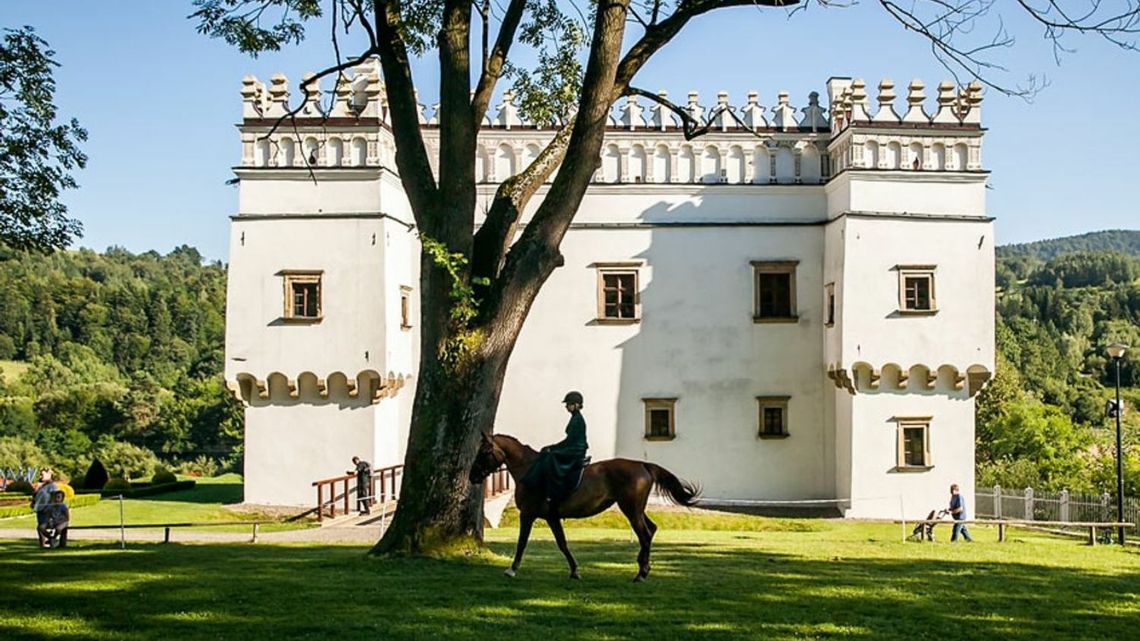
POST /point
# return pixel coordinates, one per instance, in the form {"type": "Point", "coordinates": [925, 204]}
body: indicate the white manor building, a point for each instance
{"type": "Point", "coordinates": [798, 305]}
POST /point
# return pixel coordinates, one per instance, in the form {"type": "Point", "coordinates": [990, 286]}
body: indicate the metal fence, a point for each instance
{"type": "Point", "coordinates": [1037, 505]}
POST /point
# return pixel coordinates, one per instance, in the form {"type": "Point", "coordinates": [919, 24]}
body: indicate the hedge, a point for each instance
{"type": "Point", "coordinates": [81, 500]}
{"type": "Point", "coordinates": [139, 490]}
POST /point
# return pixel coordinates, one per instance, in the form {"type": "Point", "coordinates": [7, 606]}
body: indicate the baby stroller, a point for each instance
{"type": "Point", "coordinates": [926, 530]}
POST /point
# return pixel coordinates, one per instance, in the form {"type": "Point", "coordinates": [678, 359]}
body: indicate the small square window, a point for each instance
{"type": "Point", "coordinates": [775, 295]}
{"type": "Point", "coordinates": [829, 304]}
{"type": "Point", "coordinates": [618, 298]}
{"type": "Point", "coordinates": [773, 416]}
{"type": "Point", "coordinates": [302, 295]}
{"type": "Point", "coordinates": [405, 307]}
{"type": "Point", "coordinates": [660, 424]}
{"type": "Point", "coordinates": [916, 289]}
{"type": "Point", "coordinates": [914, 443]}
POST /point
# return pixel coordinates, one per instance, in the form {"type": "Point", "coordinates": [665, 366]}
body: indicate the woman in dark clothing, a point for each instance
{"type": "Point", "coordinates": [555, 471]}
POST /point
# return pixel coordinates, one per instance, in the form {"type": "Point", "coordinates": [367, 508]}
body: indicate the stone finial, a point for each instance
{"type": "Point", "coordinates": [434, 120]}
{"type": "Point", "coordinates": [972, 101]}
{"type": "Point", "coordinates": [723, 118]}
{"type": "Point", "coordinates": [752, 113]}
{"type": "Point", "coordinates": [421, 109]}
{"type": "Point", "coordinates": [342, 98]}
{"type": "Point", "coordinates": [278, 96]}
{"type": "Point", "coordinates": [660, 117]}
{"type": "Point", "coordinates": [813, 114]}
{"type": "Point", "coordinates": [695, 110]}
{"type": "Point", "coordinates": [915, 96]}
{"type": "Point", "coordinates": [886, 112]}
{"type": "Point", "coordinates": [783, 114]}
{"type": "Point", "coordinates": [947, 104]}
{"type": "Point", "coordinates": [508, 113]}
{"type": "Point", "coordinates": [859, 103]}
{"type": "Point", "coordinates": [367, 89]}
{"type": "Point", "coordinates": [631, 114]}
{"type": "Point", "coordinates": [252, 97]}
{"type": "Point", "coordinates": [311, 95]}
{"type": "Point", "coordinates": [841, 109]}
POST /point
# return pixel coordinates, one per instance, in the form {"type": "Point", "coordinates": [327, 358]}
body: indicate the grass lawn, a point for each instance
{"type": "Point", "coordinates": [206, 502]}
{"type": "Point", "coordinates": [767, 578]}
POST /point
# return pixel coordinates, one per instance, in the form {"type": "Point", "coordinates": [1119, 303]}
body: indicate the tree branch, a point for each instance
{"type": "Point", "coordinates": [493, 69]}
{"type": "Point", "coordinates": [457, 130]}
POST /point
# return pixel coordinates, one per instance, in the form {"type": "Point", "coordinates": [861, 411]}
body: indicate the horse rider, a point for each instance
{"type": "Point", "coordinates": [556, 471]}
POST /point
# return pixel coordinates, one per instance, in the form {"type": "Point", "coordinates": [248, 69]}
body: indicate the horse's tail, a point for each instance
{"type": "Point", "coordinates": [676, 490]}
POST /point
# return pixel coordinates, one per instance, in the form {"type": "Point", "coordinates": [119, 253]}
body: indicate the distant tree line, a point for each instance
{"type": "Point", "coordinates": [1042, 420]}
{"type": "Point", "coordinates": [117, 356]}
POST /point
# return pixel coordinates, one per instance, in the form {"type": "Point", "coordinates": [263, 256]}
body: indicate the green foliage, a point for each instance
{"type": "Point", "coordinates": [163, 475]}
{"type": "Point", "coordinates": [36, 154]}
{"type": "Point", "coordinates": [20, 486]}
{"type": "Point", "coordinates": [549, 93]}
{"type": "Point", "coordinates": [96, 476]}
{"type": "Point", "coordinates": [201, 466]}
{"type": "Point", "coordinates": [1087, 269]}
{"type": "Point", "coordinates": [18, 453]}
{"type": "Point", "coordinates": [127, 461]}
{"type": "Point", "coordinates": [117, 485]}
{"type": "Point", "coordinates": [1121, 241]}
{"type": "Point", "coordinates": [249, 29]}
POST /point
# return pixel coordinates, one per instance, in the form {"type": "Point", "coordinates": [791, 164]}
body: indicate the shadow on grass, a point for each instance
{"type": "Point", "coordinates": [696, 591]}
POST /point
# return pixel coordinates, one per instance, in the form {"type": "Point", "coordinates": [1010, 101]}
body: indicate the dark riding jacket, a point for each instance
{"type": "Point", "coordinates": [555, 471]}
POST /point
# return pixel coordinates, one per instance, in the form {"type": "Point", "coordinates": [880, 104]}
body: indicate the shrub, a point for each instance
{"type": "Point", "coordinates": [201, 466]}
{"type": "Point", "coordinates": [68, 491]}
{"type": "Point", "coordinates": [96, 476]}
{"type": "Point", "coordinates": [162, 476]}
{"type": "Point", "coordinates": [127, 461]}
{"type": "Point", "coordinates": [117, 485]}
{"type": "Point", "coordinates": [19, 453]}
{"type": "Point", "coordinates": [20, 486]}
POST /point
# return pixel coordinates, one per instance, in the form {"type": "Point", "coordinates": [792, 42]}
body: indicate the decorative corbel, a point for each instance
{"type": "Point", "coordinates": [294, 389]}
{"type": "Point", "coordinates": [873, 377]}
{"type": "Point", "coordinates": [322, 388]}
{"type": "Point", "coordinates": [262, 388]}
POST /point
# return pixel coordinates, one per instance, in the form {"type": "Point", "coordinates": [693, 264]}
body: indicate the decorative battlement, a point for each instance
{"type": "Point", "coordinates": [746, 144]}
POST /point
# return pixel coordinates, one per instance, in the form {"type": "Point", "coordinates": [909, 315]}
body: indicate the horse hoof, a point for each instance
{"type": "Point", "coordinates": [574, 575]}
{"type": "Point", "coordinates": [510, 573]}
{"type": "Point", "coordinates": [639, 578]}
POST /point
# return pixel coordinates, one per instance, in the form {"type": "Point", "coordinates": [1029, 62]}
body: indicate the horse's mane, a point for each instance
{"type": "Point", "coordinates": [526, 449]}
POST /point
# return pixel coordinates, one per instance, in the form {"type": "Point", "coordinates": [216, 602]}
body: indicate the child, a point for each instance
{"type": "Point", "coordinates": [58, 518]}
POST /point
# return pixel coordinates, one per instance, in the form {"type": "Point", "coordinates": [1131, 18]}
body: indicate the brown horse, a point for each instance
{"type": "Point", "coordinates": [620, 481]}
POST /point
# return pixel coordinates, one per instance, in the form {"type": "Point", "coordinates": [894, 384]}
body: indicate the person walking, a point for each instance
{"type": "Point", "coordinates": [363, 471]}
{"type": "Point", "coordinates": [958, 511]}
{"type": "Point", "coordinates": [556, 470]}
{"type": "Point", "coordinates": [41, 502]}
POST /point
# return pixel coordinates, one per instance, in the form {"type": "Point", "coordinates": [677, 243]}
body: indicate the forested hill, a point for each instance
{"type": "Point", "coordinates": [116, 356]}
{"type": "Point", "coordinates": [1121, 241]}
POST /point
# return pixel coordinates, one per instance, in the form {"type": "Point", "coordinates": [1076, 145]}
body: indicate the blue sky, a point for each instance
{"type": "Point", "coordinates": [160, 103]}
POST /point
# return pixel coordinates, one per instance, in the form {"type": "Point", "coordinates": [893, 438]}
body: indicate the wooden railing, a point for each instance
{"type": "Point", "coordinates": [385, 487]}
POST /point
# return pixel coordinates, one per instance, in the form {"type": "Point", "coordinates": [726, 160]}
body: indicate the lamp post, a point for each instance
{"type": "Point", "coordinates": [1116, 351]}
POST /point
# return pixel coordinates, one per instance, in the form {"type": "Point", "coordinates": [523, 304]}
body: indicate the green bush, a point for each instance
{"type": "Point", "coordinates": [20, 487]}
{"type": "Point", "coordinates": [127, 461]}
{"type": "Point", "coordinates": [96, 476]}
{"type": "Point", "coordinates": [18, 453]}
{"type": "Point", "coordinates": [163, 475]}
{"type": "Point", "coordinates": [117, 485]}
{"type": "Point", "coordinates": [82, 500]}
{"type": "Point", "coordinates": [201, 466]}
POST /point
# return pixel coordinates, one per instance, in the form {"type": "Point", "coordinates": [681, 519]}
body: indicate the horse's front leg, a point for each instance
{"type": "Point", "coordinates": [525, 523]}
{"type": "Point", "coordinates": [560, 538]}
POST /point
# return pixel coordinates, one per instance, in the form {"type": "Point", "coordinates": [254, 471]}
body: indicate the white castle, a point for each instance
{"type": "Point", "coordinates": [797, 305]}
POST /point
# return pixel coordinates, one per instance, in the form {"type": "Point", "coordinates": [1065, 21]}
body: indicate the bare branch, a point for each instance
{"type": "Point", "coordinates": [493, 69]}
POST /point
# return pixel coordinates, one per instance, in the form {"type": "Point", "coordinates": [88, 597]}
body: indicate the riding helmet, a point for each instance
{"type": "Point", "coordinates": [573, 397]}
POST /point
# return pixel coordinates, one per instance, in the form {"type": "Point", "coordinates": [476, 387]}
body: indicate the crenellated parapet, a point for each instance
{"type": "Point", "coordinates": [750, 143]}
{"type": "Point", "coordinates": [947, 140]}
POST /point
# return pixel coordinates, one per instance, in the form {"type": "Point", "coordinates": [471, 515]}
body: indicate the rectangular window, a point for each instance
{"type": "Point", "coordinates": [916, 289]}
{"type": "Point", "coordinates": [302, 295]}
{"type": "Point", "coordinates": [659, 419]}
{"type": "Point", "coordinates": [405, 307]}
{"type": "Point", "coordinates": [773, 416]}
{"type": "Point", "coordinates": [775, 284]}
{"type": "Point", "coordinates": [914, 443]}
{"type": "Point", "coordinates": [618, 300]}
{"type": "Point", "coordinates": [829, 304]}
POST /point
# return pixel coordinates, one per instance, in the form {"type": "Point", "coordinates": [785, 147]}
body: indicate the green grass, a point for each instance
{"type": "Point", "coordinates": [786, 580]}
{"type": "Point", "coordinates": [205, 503]}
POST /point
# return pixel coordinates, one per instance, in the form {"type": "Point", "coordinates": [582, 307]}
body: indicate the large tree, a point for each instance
{"type": "Point", "coordinates": [36, 152]}
{"type": "Point", "coordinates": [478, 283]}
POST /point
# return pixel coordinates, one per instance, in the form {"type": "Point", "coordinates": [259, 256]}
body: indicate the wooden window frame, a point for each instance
{"type": "Point", "coordinates": [618, 269]}
{"type": "Point", "coordinates": [660, 404]}
{"type": "Point", "coordinates": [904, 423]}
{"type": "Point", "coordinates": [766, 402]}
{"type": "Point", "coordinates": [405, 307]}
{"type": "Point", "coordinates": [917, 271]}
{"type": "Point", "coordinates": [829, 305]}
{"type": "Point", "coordinates": [774, 267]}
{"type": "Point", "coordinates": [291, 277]}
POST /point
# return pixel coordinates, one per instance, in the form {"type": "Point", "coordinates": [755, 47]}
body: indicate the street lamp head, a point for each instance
{"type": "Point", "coordinates": [1116, 350]}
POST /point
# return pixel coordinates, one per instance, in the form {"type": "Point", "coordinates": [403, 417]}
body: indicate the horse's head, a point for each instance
{"type": "Point", "coordinates": [488, 459]}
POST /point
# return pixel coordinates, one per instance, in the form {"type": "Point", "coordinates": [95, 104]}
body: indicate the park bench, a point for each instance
{"type": "Point", "coordinates": [166, 527]}
{"type": "Point", "coordinates": [1001, 524]}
